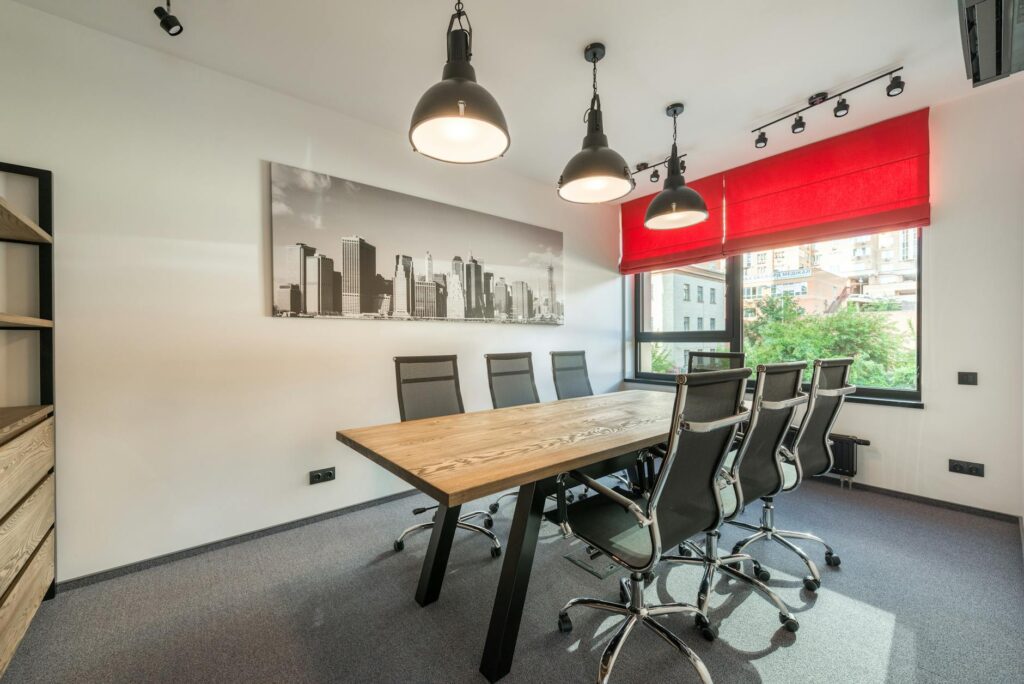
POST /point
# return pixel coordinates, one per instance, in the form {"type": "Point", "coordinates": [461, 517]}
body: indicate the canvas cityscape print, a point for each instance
{"type": "Point", "coordinates": [347, 250]}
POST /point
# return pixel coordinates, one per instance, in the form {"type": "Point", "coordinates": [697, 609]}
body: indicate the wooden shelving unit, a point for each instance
{"type": "Point", "coordinates": [27, 450]}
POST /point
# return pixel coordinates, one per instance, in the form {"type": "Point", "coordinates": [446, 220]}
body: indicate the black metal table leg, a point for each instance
{"type": "Point", "coordinates": [435, 563]}
{"type": "Point", "coordinates": [515, 578]}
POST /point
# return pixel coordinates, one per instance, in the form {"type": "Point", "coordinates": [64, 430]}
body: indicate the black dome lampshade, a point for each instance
{"type": "Point", "coordinates": [457, 120]}
{"type": "Point", "coordinates": [676, 206]}
{"type": "Point", "coordinates": [596, 173]}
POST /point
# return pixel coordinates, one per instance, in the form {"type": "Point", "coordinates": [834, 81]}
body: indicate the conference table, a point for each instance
{"type": "Point", "coordinates": [460, 458]}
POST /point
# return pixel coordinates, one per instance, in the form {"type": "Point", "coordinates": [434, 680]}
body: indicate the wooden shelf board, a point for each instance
{"type": "Point", "coordinates": [14, 419]}
{"type": "Point", "coordinates": [16, 227]}
{"type": "Point", "coordinates": [14, 321]}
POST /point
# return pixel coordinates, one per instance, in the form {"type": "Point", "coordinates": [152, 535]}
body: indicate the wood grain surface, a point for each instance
{"type": "Point", "coordinates": [22, 601]}
{"type": "Point", "coordinates": [16, 419]}
{"type": "Point", "coordinates": [23, 530]}
{"type": "Point", "coordinates": [24, 461]}
{"type": "Point", "coordinates": [16, 226]}
{"type": "Point", "coordinates": [456, 459]}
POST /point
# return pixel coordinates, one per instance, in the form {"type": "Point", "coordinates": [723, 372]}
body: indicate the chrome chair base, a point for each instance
{"type": "Point", "coordinates": [636, 612]}
{"type": "Point", "coordinates": [462, 524]}
{"type": "Point", "coordinates": [766, 530]}
{"type": "Point", "coordinates": [709, 558]}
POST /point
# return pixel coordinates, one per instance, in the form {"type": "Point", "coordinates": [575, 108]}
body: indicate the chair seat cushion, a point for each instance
{"type": "Point", "coordinates": [602, 523]}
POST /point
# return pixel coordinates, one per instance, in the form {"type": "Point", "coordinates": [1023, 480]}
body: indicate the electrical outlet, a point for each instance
{"type": "Point", "coordinates": [966, 468]}
{"type": "Point", "coordinates": [322, 475]}
{"type": "Point", "coordinates": [963, 378]}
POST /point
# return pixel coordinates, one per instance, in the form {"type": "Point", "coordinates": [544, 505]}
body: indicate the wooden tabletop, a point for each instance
{"type": "Point", "coordinates": [459, 458]}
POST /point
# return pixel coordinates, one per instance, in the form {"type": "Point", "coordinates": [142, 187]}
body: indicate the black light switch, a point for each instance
{"type": "Point", "coordinates": [967, 378]}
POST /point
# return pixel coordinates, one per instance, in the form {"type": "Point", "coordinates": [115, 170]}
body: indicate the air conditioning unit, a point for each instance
{"type": "Point", "coordinates": [992, 33]}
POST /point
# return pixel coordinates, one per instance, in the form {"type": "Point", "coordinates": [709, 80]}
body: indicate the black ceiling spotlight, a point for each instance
{"type": "Point", "coordinates": [168, 22]}
{"type": "Point", "coordinates": [895, 86]}
{"type": "Point", "coordinates": [676, 206]}
{"type": "Point", "coordinates": [655, 176]}
{"type": "Point", "coordinates": [762, 140]}
{"type": "Point", "coordinates": [596, 173]}
{"type": "Point", "coordinates": [841, 109]}
{"type": "Point", "coordinates": [798, 125]}
{"type": "Point", "coordinates": [457, 120]}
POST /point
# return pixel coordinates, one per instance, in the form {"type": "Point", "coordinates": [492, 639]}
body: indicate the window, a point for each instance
{"type": "Point", "coordinates": [830, 300]}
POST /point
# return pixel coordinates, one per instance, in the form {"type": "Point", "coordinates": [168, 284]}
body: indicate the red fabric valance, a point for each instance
{"type": "Point", "coordinates": [869, 180]}
{"type": "Point", "coordinates": [649, 250]}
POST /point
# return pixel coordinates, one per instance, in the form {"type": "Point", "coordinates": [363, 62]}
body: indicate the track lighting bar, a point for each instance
{"type": "Point", "coordinates": [894, 88]}
{"type": "Point", "coordinates": [653, 167]}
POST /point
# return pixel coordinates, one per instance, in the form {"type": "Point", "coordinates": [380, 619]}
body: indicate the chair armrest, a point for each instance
{"type": "Point", "coordinates": [713, 425]}
{"type": "Point", "coordinates": [837, 392]}
{"type": "Point", "coordinates": [630, 505]}
{"type": "Point", "coordinates": [799, 399]}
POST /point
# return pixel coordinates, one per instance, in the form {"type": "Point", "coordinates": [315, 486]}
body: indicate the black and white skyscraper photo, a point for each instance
{"type": "Point", "coordinates": [343, 249]}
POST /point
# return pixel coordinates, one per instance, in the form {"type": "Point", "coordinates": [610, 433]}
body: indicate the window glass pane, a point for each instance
{"type": "Point", "coordinates": [673, 357]}
{"type": "Point", "coordinates": [851, 297]}
{"type": "Point", "coordinates": [676, 296]}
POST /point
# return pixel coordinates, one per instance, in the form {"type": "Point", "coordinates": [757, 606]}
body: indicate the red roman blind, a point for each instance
{"type": "Point", "coordinates": [869, 180]}
{"type": "Point", "coordinates": [647, 250]}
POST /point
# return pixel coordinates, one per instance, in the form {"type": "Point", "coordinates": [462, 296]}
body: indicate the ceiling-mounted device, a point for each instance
{"type": "Point", "coordinates": [597, 173]}
{"type": "Point", "coordinates": [676, 206]}
{"type": "Point", "coordinates": [457, 120]}
{"type": "Point", "coordinates": [992, 35]}
{"type": "Point", "coordinates": [168, 22]}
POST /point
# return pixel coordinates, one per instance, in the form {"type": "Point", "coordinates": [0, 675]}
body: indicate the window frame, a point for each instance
{"type": "Point", "coordinates": [733, 332]}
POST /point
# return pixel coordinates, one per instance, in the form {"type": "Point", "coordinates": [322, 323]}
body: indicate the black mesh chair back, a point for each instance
{"type": "Point", "coordinates": [829, 388]}
{"type": "Point", "coordinates": [685, 498]}
{"type": "Point", "coordinates": [428, 386]}
{"type": "Point", "coordinates": [776, 398]}
{"type": "Point", "coordinates": [701, 361]}
{"type": "Point", "coordinates": [570, 372]}
{"type": "Point", "coordinates": [510, 377]}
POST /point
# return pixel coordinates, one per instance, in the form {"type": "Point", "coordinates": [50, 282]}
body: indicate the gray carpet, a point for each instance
{"type": "Point", "coordinates": [924, 594]}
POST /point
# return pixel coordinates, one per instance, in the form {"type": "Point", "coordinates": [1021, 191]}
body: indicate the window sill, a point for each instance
{"type": "Point", "coordinates": [852, 399]}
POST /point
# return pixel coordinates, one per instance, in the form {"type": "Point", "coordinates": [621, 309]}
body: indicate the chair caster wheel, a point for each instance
{"type": "Point", "coordinates": [495, 551]}
{"type": "Point", "coordinates": [705, 628]}
{"type": "Point", "coordinates": [569, 497]}
{"type": "Point", "coordinates": [488, 523]}
{"type": "Point", "coordinates": [811, 584]}
{"type": "Point", "coordinates": [493, 508]}
{"type": "Point", "coordinates": [788, 622]}
{"type": "Point", "coordinates": [399, 545]}
{"type": "Point", "coordinates": [685, 551]}
{"type": "Point", "coordinates": [760, 573]}
{"type": "Point", "coordinates": [648, 578]}
{"type": "Point", "coordinates": [832, 560]}
{"type": "Point", "coordinates": [564, 623]}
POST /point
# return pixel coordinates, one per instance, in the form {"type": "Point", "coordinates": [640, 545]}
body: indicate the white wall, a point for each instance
{"type": "Point", "coordinates": [972, 301]}
{"type": "Point", "coordinates": [186, 414]}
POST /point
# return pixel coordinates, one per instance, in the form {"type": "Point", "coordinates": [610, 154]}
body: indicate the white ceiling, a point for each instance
{"type": "Point", "coordinates": [735, 65]}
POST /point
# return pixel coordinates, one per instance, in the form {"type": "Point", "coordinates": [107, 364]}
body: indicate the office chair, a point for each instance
{"type": "Point", "coordinates": [631, 528]}
{"type": "Point", "coordinates": [811, 455]}
{"type": "Point", "coordinates": [755, 472]}
{"type": "Point", "coordinates": [569, 369]}
{"type": "Point", "coordinates": [701, 361]}
{"type": "Point", "coordinates": [428, 387]}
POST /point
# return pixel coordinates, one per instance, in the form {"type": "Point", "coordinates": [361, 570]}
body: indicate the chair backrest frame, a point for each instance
{"type": "Point", "coordinates": [561, 391]}
{"type": "Point", "coordinates": [408, 360]}
{"type": "Point", "coordinates": [514, 356]}
{"type": "Point", "coordinates": [733, 358]}
{"type": "Point", "coordinates": [817, 393]}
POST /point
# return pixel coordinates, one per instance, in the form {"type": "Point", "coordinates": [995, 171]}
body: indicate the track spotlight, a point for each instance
{"type": "Point", "coordinates": [841, 108]}
{"type": "Point", "coordinates": [457, 120]}
{"type": "Point", "coordinates": [168, 22]}
{"type": "Point", "coordinates": [798, 125]}
{"type": "Point", "coordinates": [895, 86]}
{"type": "Point", "coordinates": [762, 140]}
{"type": "Point", "coordinates": [655, 176]}
{"type": "Point", "coordinates": [676, 206]}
